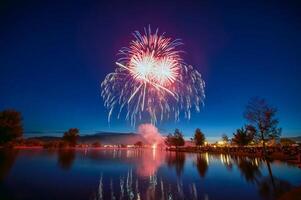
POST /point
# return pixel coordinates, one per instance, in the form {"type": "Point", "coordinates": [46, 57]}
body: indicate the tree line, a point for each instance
{"type": "Point", "coordinates": [11, 128]}
{"type": "Point", "coordinates": [262, 126]}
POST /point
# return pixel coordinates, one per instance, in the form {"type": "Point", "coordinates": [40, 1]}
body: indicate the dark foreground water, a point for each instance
{"type": "Point", "coordinates": [140, 174]}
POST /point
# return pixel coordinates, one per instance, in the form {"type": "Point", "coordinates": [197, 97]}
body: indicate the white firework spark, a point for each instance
{"type": "Point", "coordinates": [152, 81]}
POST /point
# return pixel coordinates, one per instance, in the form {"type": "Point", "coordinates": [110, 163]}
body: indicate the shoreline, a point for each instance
{"type": "Point", "coordinates": [292, 156]}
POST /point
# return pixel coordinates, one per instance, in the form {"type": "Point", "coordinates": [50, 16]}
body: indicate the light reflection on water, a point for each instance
{"type": "Point", "coordinates": [140, 174]}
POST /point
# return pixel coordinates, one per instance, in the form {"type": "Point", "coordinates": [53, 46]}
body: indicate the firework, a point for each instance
{"type": "Point", "coordinates": [152, 81]}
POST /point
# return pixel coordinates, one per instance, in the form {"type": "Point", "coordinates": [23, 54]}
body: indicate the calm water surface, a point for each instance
{"type": "Point", "coordinates": [140, 174]}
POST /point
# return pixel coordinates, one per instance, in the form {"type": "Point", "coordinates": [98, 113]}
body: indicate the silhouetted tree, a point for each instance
{"type": "Point", "coordinates": [66, 158]}
{"type": "Point", "coordinates": [138, 144]}
{"type": "Point", "coordinates": [96, 144]}
{"type": "Point", "coordinates": [176, 139]}
{"type": "Point", "coordinates": [7, 160]}
{"type": "Point", "coordinates": [169, 140]}
{"type": "Point", "coordinates": [199, 137]}
{"type": "Point", "coordinates": [271, 187]}
{"type": "Point", "coordinates": [275, 188]}
{"type": "Point", "coordinates": [262, 117]}
{"type": "Point", "coordinates": [179, 138]}
{"type": "Point", "coordinates": [10, 125]}
{"type": "Point", "coordinates": [249, 169]}
{"type": "Point", "coordinates": [242, 137]}
{"type": "Point", "coordinates": [176, 160]}
{"type": "Point", "coordinates": [225, 138]}
{"type": "Point", "coordinates": [71, 136]}
{"type": "Point", "coordinates": [202, 165]}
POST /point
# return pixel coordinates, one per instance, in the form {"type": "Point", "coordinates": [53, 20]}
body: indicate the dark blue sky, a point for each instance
{"type": "Point", "coordinates": [53, 57]}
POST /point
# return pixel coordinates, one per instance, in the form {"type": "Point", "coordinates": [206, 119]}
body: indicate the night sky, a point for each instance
{"type": "Point", "coordinates": [54, 56]}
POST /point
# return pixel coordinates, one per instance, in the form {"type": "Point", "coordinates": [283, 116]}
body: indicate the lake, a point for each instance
{"type": "Point", "coordinates": [140, 174]}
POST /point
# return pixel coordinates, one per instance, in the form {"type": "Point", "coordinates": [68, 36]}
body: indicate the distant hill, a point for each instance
{"type": "Point", "coordinates": [296, 139]}
{"type": "Point", "coordinates": [45, 138]}
{"type": "Point", "coordinates": [103, 138]}
{"type": "Point", "coordinates": [113, 138]}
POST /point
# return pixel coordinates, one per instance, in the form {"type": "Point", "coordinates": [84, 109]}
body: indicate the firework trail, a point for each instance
{"type": "Point", "coordinates": [152, 81]}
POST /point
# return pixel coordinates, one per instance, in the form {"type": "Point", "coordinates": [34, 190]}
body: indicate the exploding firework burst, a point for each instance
{"type": "Point", "coordinates": [152, 81]}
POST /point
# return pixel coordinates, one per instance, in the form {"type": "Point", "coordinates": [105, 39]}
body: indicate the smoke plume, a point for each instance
{"type": "Point", "coordinates": [150, 133]}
